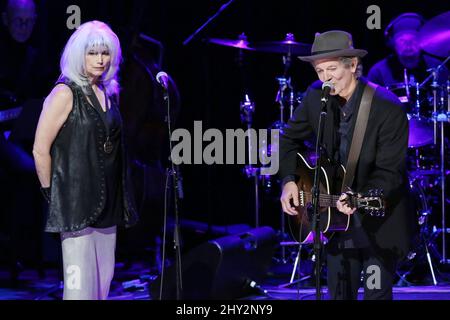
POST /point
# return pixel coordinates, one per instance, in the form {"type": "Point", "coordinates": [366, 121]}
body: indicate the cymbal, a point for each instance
{"type": "Point", "coordinates": [241, 43]}
{"type": "Point", "coordinates": [288, 45]}
{"type": "Point", "coordinates": [435, 35]}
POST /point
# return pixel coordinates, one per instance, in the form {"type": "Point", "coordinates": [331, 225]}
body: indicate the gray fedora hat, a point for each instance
{"type": "Point", "coordinates": [333, 44]}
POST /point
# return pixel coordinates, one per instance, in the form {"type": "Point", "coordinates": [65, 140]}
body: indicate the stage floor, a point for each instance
{"type": "Point", "coordinates": [131, 283]}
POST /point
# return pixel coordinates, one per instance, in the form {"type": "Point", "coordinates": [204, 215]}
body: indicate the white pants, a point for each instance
{"type": "Point", "coordinates": [88, 262]}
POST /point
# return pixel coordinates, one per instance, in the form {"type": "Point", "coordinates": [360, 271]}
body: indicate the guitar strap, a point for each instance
{"type": "Point", "coordinates": [358, 135]}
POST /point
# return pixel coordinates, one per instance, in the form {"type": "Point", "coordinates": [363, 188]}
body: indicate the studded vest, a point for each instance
{"type": "Point", "coordinates": [78, 190]}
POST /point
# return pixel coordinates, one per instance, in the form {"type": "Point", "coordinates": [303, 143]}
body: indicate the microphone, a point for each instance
{"type": "Point", "coordinates": [163, 79]}
{"type": "Point", "coordinates": [327, 86]}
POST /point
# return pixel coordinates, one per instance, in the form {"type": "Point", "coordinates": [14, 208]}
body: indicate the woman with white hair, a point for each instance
{"type": "Point", "coordinates": [81, 163]}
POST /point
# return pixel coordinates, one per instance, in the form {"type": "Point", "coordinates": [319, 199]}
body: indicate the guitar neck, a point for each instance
{"type": "Point", "coordinates": [325, 200]}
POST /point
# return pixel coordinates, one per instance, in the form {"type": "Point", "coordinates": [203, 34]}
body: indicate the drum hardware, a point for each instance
{"type": "Point", "coordinates": [286, 98]}
{"type": "Point", "coordinates": [433, 38]}
{"type": "Point", "coordinates": [441, 117]}
{"type": "Point", "coordinates": [247, 109]}
{"type": "Point", "coordinates": [405, 78]}
{"type": "Point", "coordinates": [288, 47]}
{"type": "Point", "coordinates": [434, 237]}
{"type": "Point", "coordinates": [425, 161]}
{"type": "Point", "coordinates": [284, 84]}
{"type": "Point", "coordinates": [424, 235]}
{"type": "Point", "coordinates": [426, 145]}
{"type": "Point", "coordinates": [417, 108]}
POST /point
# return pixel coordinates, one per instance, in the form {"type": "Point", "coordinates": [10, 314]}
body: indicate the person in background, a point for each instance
{"type": "Point", "coordinates": [408, 60]}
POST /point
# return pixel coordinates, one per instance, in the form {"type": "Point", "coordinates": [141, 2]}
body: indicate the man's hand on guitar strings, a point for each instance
{"type": "Point", "coordinates": [290, 192]}
{"type": "Point", "coordinates": [342, 205]}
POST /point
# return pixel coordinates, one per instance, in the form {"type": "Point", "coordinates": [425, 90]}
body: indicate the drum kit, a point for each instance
{"type": "Point", "coordinates": [428, 109]}
{"type": "Point", "coordinates": [286, 100]}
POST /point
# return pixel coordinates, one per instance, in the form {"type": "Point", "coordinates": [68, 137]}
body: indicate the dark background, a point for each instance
{"type": "Point", "coordinates": [209, 77]}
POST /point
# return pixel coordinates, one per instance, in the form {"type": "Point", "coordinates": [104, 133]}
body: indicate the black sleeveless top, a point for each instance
{"type": "Point", "coordinates": [89, 187]}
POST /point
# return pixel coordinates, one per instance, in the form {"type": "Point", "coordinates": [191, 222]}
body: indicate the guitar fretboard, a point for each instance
{"type": "Point", "coordinates": [325, 200]}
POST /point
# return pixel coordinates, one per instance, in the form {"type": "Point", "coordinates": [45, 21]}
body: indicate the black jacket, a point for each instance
{"type": "Point", "coordinates": [382, 161]}
{"type": "Point", "coordinates": [78, 189]}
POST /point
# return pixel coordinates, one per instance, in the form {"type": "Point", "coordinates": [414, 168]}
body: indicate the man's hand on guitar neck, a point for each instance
{"type": "Point", "coordinates": [342, 205]}
{"type": "Point", "coordinates": [290, 192]}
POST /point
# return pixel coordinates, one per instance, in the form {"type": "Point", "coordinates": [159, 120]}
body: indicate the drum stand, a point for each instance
{"type": "Point", "coordinates": [442, 118]}
{"type": "Point", "coordinates": [247, 110]}
{"type": "Point", "coordinates": [426, 243]}
{"type": "Point", "coordinates": [284, 84]}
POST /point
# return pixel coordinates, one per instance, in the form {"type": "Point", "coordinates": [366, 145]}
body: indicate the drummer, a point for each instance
{"type": "Point", "coordinates": [408, 63]}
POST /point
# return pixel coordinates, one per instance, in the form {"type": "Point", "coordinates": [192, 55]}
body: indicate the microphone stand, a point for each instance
{"type": "Point", "coordinates": [222, 8]}
{"type": "Point", "coordinates": [315, 198]}
{"type": "Point", "coordinates": [177, 190]}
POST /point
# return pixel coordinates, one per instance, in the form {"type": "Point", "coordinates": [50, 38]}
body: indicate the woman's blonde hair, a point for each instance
{"type": "Point", "coordinates": [89, 35]}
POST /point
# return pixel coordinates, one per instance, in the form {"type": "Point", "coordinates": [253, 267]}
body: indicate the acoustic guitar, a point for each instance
{"type": "Point", "coordinates": [331, 220]}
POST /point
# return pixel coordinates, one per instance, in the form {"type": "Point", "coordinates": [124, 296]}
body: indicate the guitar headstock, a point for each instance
{"type": "Point", "coordinates": [372, 203]}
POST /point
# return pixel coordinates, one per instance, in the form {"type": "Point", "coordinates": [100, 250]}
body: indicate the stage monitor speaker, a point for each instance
{"type": "Point", "coordinates": [221, 268]}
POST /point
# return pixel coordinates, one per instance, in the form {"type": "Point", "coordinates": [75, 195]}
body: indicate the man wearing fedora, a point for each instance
{"type": "Point", "coordinates": [372, 245]}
